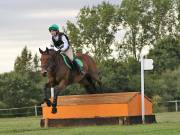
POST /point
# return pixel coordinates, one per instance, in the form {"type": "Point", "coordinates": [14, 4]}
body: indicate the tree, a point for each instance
{"type": "Point", "coordinates": [164, 18]}
{"type": "Point", "coordinates": [23, 63]}
{"type": "Point", "coordinates": [19, 90]}
{"type": "Point", "coordinates": [166, 54]}
{"type": "Point", "coordinates": [135, 19]}
{"type": "Point", "coordinates": [145, 23]}
{"type": "Point", "coordinates": [74, 35]}
{"type": "Point", "coordinates": [95, 29]}
{"type": "Point", "coordinates": [120, 75]}
{"type": "Point", "coordinates": [22, 87]}
{"type": "Point", "coordinates": [36, 63]}
{"type": "Point", "coordinates": [166, 85]}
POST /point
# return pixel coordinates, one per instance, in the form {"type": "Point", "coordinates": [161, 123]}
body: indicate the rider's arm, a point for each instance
{"type": "Point", "coordinates": [51, 46]}
{"type": "Point", "coordinates": [65, 45]}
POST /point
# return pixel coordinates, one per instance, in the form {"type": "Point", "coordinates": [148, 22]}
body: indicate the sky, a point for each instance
{"type": "Point", "coordinates": [25, 23]}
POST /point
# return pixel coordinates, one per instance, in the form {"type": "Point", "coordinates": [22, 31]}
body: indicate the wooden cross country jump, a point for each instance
{"type": "Point", "coordinates": [97, 109]}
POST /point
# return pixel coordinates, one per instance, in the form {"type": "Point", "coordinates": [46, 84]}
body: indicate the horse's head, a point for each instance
{"type": "Point", "coordinates": [46, 61]}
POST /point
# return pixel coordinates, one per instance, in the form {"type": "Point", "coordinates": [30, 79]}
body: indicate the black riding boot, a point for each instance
{"type": "Point", "coordinates": [77, 68]}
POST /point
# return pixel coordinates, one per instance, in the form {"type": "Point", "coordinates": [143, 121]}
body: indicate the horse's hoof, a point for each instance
{"type": "Point", "coordinates": [48, 102]}
{"type": "Point", "coordinates": [54, 110]}
{"type": "Point", "coordinates": [54, 104]}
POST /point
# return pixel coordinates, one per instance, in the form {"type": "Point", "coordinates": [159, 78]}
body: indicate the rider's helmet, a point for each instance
{"type": "Point", "coordinates": [54, 27]}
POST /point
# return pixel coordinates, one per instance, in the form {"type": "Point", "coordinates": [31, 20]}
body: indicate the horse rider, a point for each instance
{"type": "Point", "coordinates": [60, 42]}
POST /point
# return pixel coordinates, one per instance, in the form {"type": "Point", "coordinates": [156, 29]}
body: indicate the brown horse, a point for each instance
{"type": "Point", "coordinates": [60, 75]}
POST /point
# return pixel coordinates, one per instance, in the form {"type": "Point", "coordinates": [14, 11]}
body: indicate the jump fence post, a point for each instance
{"type": "Point", "coordinates": [176, 103]}
{"type": "Point", "coordinates": [46, 123]}
{"type": "Point", "coordinates": [35, 110]}
{"type": "Point", "coordinates": [142, 89]}
{"type": "Point", "coordinates": [146, 64]}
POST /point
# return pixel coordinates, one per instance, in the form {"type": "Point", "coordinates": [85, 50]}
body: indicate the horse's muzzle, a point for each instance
{"type": "Point", "coordinates": [44, 72]}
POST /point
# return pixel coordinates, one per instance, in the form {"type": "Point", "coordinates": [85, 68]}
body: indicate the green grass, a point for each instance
{"type": "Point", "coordinates": [168, 117]}
{"type": "Point", "coordinates": [168, 124]}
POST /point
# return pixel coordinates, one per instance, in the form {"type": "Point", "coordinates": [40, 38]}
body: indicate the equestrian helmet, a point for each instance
{"type": "Point", "coordinates": [54, 27]}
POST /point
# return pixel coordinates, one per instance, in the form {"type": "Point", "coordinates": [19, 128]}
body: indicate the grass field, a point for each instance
{"type": "Point", "coordinates": [168, 124]}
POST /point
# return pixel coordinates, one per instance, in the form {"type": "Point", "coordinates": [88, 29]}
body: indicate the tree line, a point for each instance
{"type": "Point", "coordinates": [152, 23]}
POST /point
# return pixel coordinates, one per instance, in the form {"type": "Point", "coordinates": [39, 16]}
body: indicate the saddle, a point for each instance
{"type": "Point", "coordinates": [69, 63]}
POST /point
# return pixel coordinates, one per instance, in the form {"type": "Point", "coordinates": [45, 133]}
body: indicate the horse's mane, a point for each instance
{"type": "Point", "coordinates": [55, 54]}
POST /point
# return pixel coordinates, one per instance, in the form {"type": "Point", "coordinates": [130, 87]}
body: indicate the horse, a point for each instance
{"type": "Point", "coordinates": [60, 75]}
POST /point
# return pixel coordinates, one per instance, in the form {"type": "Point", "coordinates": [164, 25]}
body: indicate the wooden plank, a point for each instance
{"type": "Point", "coordinates": [81, 122]}
{"type": "Point", "coordinates": [107, 98]}
{"type": "Point", "coordinates": [98, 121]}
{"type": "Point", "coordinates": [86, 111]}
{"type": "Point", "coordinates": [134, 106]}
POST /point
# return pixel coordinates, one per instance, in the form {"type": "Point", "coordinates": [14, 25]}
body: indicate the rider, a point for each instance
{"type": "Point", "coordinates": [61, 42]}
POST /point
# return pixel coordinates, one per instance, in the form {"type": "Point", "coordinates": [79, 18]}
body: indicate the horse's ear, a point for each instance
{"type": "Point", "coordinates": [41, 51]}
{"type": "Point", "coordinates": [47, 50]}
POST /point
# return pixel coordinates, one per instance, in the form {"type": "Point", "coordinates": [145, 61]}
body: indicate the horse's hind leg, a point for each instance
{"type": "Point", "coordinates": [89, 85]}
{"type": "Point", "coordinates": [89, 89]}
{"type": "Point", "coordinates": [97, 79]}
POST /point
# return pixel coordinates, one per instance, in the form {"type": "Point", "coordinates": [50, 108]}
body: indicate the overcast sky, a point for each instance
{"type": "Point", "coordinates": [25, 22]}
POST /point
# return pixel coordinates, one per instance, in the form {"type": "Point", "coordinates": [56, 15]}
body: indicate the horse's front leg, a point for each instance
{"type": "Point", "coordinates": [57, 90]}
{"type": "Point", "coordinates": [46, 98]}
